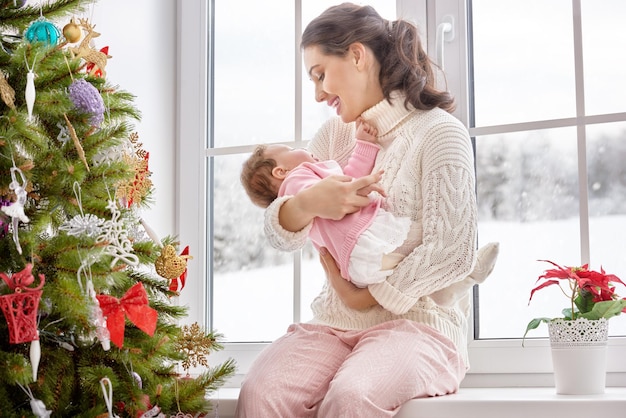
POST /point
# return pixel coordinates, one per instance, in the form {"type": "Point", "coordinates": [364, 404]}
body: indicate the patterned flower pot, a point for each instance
{"type": "Point", "coordinates": [579, 355]}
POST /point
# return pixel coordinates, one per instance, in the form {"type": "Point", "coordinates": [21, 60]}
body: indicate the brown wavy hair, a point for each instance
{"type": "Point", "coordinates": [404, 65]}
{"type": "Point", "coordinates": [256, 178]}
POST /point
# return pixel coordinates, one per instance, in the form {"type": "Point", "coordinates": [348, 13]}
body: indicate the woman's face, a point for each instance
{"type": "Point", "coordinates": [348, 84]}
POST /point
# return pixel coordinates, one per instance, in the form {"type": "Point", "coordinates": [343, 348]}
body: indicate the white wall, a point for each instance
{"type": "Point", "coordinates": [141, 35]}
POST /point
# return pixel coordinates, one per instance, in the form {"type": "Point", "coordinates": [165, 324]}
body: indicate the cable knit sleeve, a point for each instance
{"type": "Point", "coordinates": [440, 164]}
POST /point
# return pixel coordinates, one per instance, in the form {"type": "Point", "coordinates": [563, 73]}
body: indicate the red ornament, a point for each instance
{"type": "Point", "coordinates": [91, 65]}
{"type": "Point", "coordinates": [134, 305]}
{"type": "Point", "coordinates": [177, 284]}
{"type": "Point", "coordinates": [20, 308]}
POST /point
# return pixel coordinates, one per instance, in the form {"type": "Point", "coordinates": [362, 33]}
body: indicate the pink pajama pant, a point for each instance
{"type": "Point", "coordinates": [317, 371]}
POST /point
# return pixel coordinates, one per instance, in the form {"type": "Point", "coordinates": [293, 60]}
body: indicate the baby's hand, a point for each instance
{"type": "Point", "coordinates": [365, 131]}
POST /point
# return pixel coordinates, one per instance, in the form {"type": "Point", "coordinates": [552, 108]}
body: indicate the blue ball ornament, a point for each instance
{"type": "Point", "coordinates": [42, 30]}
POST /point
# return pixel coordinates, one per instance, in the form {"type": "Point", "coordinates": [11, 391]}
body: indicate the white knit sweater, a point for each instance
{"type": "Point", "coordinates": [429, 176]}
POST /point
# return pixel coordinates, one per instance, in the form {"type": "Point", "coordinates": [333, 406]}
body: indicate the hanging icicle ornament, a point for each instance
{"type": "Point", "coordinates": [20, 310]}
{"type": "Point", "coordinates": [42, 30]}
{"type": "Point", "coordinates": [30, 93]}
{"type": "Point", "coordinates": [86, 99]}
{"type": "Point", "coordinates": [16, 209]}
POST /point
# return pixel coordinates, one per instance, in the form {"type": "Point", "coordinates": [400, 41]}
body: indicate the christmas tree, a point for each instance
{"type": "Point", "coordinates": [90, 327]}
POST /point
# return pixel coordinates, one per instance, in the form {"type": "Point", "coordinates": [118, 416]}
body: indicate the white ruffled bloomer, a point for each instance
{"type": "Point", "coordinates": [384, 235]}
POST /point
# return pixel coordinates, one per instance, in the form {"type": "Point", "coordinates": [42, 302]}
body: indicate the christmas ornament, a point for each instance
{"type": "Point", "coordinates": [196, 345]}
{"type": "Point", "coordinates": [115, 237]}
{"type": "Point", "coordinates": [37, 406]}
{"type": "Point", "coordinates": [30, 92]}
{"type": "Point", "coordinates": [18, 4]}
{"type": "Point", "coordinates": [34, 354]}
{"type": "Point", "coordinates": [177, 284]}
{"type": "Point", "coordinates": [87, 99]}
{"type": "Point", "coordinates": [134, 306]}
{"type": "Point", "coordinates": [64, 134]}
{"type": "Point", "coordinates": [82, 224]}
{"type": "Point", "coordinates": [133, 191]}
{"type": "Point", "coordinates": [91, 67]}
{"type": "Point", "coordinates": [89, 54]}
{"type": "Point", "coordinates": [77, 145]}
{"type": "Point", "coordinates": [6, 91]}
{"type": "Point", "coordinates": [72, 32]}
{"type": "Point", "coordinates": [155, 412]}
{"type": "Point", "coordinates": [20, 311]}
{"type": "Point", "coordinates": [95, 314]}
{"type": "Point", "coordinates": [107, 392]}
{"type": "Point", "coordinates": [169, 265]}
{"type": "Point", "coordinates": [16, 209]}
{"type": "Point", "coordinates": [42, 30]}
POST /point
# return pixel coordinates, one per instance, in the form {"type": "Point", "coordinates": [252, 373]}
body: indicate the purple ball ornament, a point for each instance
{"type": "Point", "coordinates": [87, 99]}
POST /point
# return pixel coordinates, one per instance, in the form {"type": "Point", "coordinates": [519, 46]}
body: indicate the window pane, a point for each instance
{"type": "Point", "coordinates": [528, 201]}
{"type": "Point", "coordinates": [523, 61]}
{"type": "Point", "coordinates": [252, 283]}
{"type": "Point", "coordinates": [603, 48]}
{"type": "Point", "coordinates": [606, 149]}
{"type": "Point", "coordinates": [254, 72]}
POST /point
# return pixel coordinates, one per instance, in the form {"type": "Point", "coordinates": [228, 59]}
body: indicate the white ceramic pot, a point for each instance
{"type": "Point", "coordinates": [579, 355]}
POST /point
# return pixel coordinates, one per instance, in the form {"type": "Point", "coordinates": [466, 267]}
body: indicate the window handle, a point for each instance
{"type": "Point", "coordinates": [445, 33]}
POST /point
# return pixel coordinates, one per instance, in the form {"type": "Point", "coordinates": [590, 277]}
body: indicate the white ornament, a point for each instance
{"type": "Point", "coordinates": [35, 356]}
{"type": "Point", "coordinates": [30, 92]}
{"type": "Point", "coordinates": [16, 209]}
{"type": "Point", "coordinates": [82, 224]}
{"type": "Point", "coordinates": [107, 391]}
{"type": "Point", "coordinates": [39, 408]}
{"type": "Point", "coordinates": [116, 236]}
{"type": "Point", "coordinates": [64, 134]}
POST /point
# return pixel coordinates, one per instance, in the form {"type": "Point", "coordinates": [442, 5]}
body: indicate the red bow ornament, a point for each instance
{"type": "Point", "coordinates": [134, 305]}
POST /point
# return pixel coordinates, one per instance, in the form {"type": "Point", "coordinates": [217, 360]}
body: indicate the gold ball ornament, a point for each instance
{"type": "Point", "coordinates": [170, 265]}
{"type": "Point", "coordinates": [72, 32]}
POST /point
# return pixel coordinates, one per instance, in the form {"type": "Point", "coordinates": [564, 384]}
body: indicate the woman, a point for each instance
{"type": "Point", "coordinates": [369, 350]}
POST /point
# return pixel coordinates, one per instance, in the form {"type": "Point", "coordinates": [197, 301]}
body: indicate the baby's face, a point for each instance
{"type": "Point", "coordinates": [288, 158]}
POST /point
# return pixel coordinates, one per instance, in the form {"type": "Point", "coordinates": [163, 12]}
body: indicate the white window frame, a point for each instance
{"type": "Point", "coordinates": [494, 363]}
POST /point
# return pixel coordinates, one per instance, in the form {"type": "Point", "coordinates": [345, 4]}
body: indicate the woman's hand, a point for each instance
{"type": "Point", "coordinates": [354, 297]}
{"type": "Point", "coordinates": [332, 198]}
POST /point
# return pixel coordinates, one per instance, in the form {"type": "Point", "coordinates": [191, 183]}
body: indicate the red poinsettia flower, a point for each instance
{"type": "Point", "coordinates": [591, 293]}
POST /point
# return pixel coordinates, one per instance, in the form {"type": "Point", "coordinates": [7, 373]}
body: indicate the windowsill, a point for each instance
{"type": "Point", "coordinates": [488, 403]}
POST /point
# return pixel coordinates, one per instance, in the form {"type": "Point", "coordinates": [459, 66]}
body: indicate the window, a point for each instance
{"type": "Point", "coordinates": [548, 140]}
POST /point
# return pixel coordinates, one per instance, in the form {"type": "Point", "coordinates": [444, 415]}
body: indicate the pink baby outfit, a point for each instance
{"type": "Point", "coordinates": [359, 240]}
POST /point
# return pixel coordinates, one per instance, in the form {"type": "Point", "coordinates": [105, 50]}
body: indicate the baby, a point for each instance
{"type": "Point", "coordinates": [368, 244]}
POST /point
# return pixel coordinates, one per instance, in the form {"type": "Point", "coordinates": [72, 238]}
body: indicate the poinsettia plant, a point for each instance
{"type": "Point", "coordinates": [591, 293]}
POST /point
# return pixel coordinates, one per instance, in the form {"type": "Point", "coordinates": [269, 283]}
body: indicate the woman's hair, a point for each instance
{"type": "Point", "coordinates": [404, 65]}
{"type": "Point", "coordinates": [256, 178]}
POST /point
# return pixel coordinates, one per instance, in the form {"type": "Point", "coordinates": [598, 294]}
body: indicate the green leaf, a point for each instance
{"type": "Point", "coordinates": [606, 309]}
{"type": "Point", "coordinates": [567, 313]}
{"type": "Point", "coordinates": [584, 301]}
{"type": "Point", "coordinates": [534, 324]}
